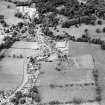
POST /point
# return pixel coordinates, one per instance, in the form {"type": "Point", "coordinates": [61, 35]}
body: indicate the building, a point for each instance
{"type": "Point", "coordinates": [82, 1]}
{"type": "Point", "coordinates": [63, 46]}
{"type": "Point", "coordinates": [27, 9]}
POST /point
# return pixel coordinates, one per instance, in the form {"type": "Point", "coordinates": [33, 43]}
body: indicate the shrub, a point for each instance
{"type": "Point", "coordinates": [34, 89]}
{"type": "Point", "coordinates": [103, 29]}
{"type": "Point", "coordinates": [98, 30]}
{"type": "Point", "coordinates": [99, 22]}
{"type": "Point", "coordinates": [19, 15]}
{"type": "Point", "coordinates": [77, 101]}
{"type": "Point", "coordinates": [52, 85]}
{"type": "Point", "coordinates": [8, 6]}
{"type": "Point", "coordinates": [103, 46]}
{"type": "Point", "coordinates": [58, 69]}
{"type": "Point", "coordinates": [54, 102]}
{"type": "Point", "coordinates": [18, 95]}
{"type": "Point", "coordinates": [22, 101]}
{"type": "Point", "coordinates": [38, 98]}
{"type": "Point", "coordinates": [21, 56]}
{"type": "Point", "coordinates": [98, 98]}
{"type": "Point", "coordinates": [14, 56]}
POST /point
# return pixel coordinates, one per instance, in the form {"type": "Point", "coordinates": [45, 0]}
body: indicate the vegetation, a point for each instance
{"type": "Point", "coordinates": [34, 93]}
{"type": "Point", "coordinates": [98, 30]}
{"type": "Point", "coordinates": [99, 22]}
{"type": "Point", "coordinates": [15, 100]}
{"type": "Point", "coordinates": [83, 19]}
{"type": "Point", "coordinates": [77, 101]}
{"type": "Point", "coordinates": [54, 103]}
{"type": "Point", "coordinates": [19, 15]}
{"type": "Point", "coordinates": [103, 46]}
{"type": "Point", "coordinates": [103, 29]}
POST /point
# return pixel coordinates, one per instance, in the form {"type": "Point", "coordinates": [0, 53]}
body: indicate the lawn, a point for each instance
{"type": "Point", "coordinates": [11, 73]}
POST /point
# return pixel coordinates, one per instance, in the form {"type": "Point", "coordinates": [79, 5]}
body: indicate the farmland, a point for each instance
{"type": "Point", "coordinates": [9, 13]}
{"type": "Point", "coordinates": [23, 48]}
{"type": "Point", "coordinates": [12, 65]}
{"type": "Point", "coordinates": [65, 85]}
{"type": "Point", "coordinates": [11, 73]}
{"type": "Point", "coordinates": [99, 57]}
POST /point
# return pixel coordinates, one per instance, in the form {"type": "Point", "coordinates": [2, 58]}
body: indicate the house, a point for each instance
{"type": "Point", "coordinates": [63, 46]}
{"type": "Point", "coordinates": [82, 1]}
{"type": "Point", "coordinates": [27, 9]}
{"type": "Point", "coordinates": [52, 57]}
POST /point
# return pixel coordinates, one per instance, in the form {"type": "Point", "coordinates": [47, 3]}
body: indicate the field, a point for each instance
{"type": "Point", "coordinates": [66, 94]}
{"type": "Point", "coordinates": [11, 68]}
{"type": "Point", "coordinates": [99, 57]}
{"type": "Point", "coordinates": [9, 12]}
{"type": "Point", "coordinates": [11, 72]}
{"type": "Point", "coordinates": [62, 81]}
{"type": "Point", "coordinates": [24, 48]}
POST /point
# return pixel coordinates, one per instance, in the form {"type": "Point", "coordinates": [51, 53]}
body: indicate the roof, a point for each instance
{"type": "Point", "coordinates": [61, 44]}
{"type": "Point", "coordinates": [23, 3]}
{"type": "Point", "coordinates": [53, 57]}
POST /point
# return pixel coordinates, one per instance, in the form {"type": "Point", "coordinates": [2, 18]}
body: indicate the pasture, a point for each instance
{"type": "Point", "coordinates": [11, 73]}
{"type": "Point", "coordinates": [25, 49]}
{"type": "Point", "coordinates": [9, 12]}
{"type": "Point", "coordinates": [80, 30]}
{"type": "Point", "coordinates": [65, 85]}
{"type": "Point", "coordinates": [78, 48]}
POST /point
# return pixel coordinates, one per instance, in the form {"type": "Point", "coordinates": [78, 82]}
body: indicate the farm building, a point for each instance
{"type": "Point", "coordinates": [27, 9]}
{"type": "Point", "coordinates": [63, 46]}
{"type": "Point", "coordinates": [82, 1]}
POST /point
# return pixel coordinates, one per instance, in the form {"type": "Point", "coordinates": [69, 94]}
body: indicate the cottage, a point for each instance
{"type": "Point", "coordinates": [27, 9]}
{"type": "Point", "coordinates": [82, 1]}
{"type": "Point", "coordinates": [63, 46]}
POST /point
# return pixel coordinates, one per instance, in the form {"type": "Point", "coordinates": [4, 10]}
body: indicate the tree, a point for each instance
{"type": "Point", "coordinates": [54, 102]}
{"type": "Point", "coordinates": [103, 29]}
{"type": "Point", "coordinates": [22, 101]}
{"type": "Point", "coordinates": [20, 25]}
{"type": "Point", "coordinates": [34, 89]}
{"type": "Point", "coordinates": [98, 30]}
{"type": "Point", "coordinates": [103, 46]}
{"type": "Point", "coordinates": [38, 98]}
{"type": "Point", "coordinates": [18, 95]}
{"type": "Point", "coordinates": [77, 101]}
{"type": "Point", "coordinates": [99, 22]}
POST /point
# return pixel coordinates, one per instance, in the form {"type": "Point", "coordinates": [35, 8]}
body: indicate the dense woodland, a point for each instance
{"type": "Point", "coordinates": [72, 7]}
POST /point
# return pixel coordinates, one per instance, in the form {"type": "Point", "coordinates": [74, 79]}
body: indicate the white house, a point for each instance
{"type": "Point", "coordinates": [82, 1]}
{"type": "Point", "coordinates": [63, 46]}
{"type": "Point", "coordinates": [27, 10]}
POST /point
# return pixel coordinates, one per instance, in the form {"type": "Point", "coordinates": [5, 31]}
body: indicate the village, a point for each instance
{"type": "Point", "coordinates": [47, 58]}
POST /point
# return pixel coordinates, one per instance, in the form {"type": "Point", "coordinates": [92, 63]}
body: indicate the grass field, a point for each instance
{"type": "Point", "coordinates": [9, 12]}
{"type": "Point", "coordinates": [99, 57]}
{"type": "Point", "coordinates": [62, 80]}
{"type": "Point", "coordinates": [11, 72]}
{"type": "Point", "coordinates": [23, 48]}
{"type": "Point", "coordinates": [66, 94]}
